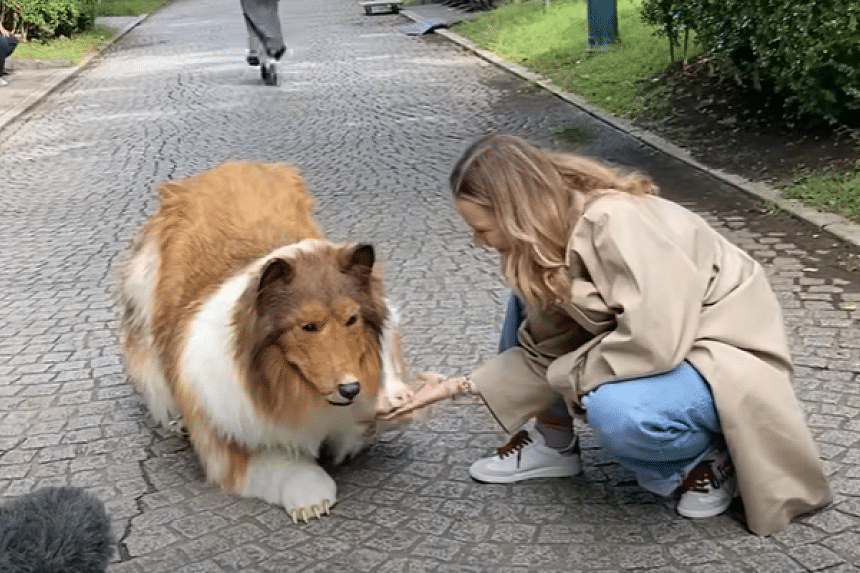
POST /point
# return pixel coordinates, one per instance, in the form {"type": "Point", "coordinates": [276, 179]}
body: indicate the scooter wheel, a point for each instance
{"type": "Point", "coordinates": [272, 75]}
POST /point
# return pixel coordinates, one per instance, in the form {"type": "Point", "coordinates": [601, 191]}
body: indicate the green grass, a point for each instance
{"type": "Point", "coordinates": [553, 41]}
{"type": "Point", "coordinates": [829, 191]}
{"type": "Point", "coordinates": [127, 7]}
{"type": "Point", "coordinates": [73, 49]}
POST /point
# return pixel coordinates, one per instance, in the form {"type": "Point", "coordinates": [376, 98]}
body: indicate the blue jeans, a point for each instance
{"type": "Point", "coordinates": [658, 426]}
{"type": "Point", "coordinates": [7, 46]}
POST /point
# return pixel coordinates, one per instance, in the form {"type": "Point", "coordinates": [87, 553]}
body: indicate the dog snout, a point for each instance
{"type": "Point", "coordinates": [349, 390]}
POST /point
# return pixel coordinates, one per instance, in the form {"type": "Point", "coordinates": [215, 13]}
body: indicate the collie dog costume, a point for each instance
{"type": "Point", "coordinates": [265, 340]}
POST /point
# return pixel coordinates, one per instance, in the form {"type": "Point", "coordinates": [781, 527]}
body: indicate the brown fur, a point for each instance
{"type": "Point", "coordinates": [213, 224]}
{"type": "Point", "coordinates": [213, 448]}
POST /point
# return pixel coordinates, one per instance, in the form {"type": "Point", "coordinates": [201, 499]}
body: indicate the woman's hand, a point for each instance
{"type": "Point", "coordinates": [435, 387]}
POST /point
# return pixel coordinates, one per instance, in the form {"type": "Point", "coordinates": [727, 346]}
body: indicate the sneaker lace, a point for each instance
{"type": "Point", "coordinates": [517, 442]}
{"type": "Point", "coordinates": [701, 479]}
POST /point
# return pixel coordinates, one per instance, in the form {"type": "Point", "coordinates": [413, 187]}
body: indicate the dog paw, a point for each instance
{"type": "Point", "coordinates": [308, 494]}
{"type": "Point", "coordinates": [299, 485]}
{"type": "Point", "coordinates": [392, 396]}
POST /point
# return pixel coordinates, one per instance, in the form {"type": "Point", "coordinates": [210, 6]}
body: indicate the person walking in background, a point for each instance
{"type": "Point", "coordinates": [265, 38]}
{"type": "Point", "coordinates": [8, 43]}
{"type": "Point", "coordinates": [637, 316]}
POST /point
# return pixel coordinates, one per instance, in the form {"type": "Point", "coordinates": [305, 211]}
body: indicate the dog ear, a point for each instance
{"type": "Point", "coordinates": [169, 189]}
{"type": "Point", "coordinates": [360, 257]}
{"type": "Point", "coordinates": [276, 270]}
{"type": "Point", "coordinates": [358, 262]}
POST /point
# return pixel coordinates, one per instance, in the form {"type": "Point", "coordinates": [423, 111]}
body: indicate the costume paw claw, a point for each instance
{"type": "Point", "coordinates": [314, 512]}
{"type": "Point", "coordinates": [393, 396]}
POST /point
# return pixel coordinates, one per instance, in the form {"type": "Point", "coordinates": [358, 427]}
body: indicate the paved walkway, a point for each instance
{"type": "Point", "coordinates": [375, 119]}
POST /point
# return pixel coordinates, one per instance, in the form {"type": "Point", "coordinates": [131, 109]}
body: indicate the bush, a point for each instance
{"type": "Point", "coordinates": [43, 19]}
{"type": "Point", "coordinates": [812, 54]}
{"type": "Point", "coordinates": [670, 18]}
{"type": "Point", "coordinates": [808, 52]}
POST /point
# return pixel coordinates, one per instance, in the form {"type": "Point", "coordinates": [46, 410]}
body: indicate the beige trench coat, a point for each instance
{"type": "Point", "coordinates": [655, 285]}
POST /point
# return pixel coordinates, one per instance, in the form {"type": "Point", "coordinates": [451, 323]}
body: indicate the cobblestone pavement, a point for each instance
{"type": "Point", "coordinates": [375, 119]}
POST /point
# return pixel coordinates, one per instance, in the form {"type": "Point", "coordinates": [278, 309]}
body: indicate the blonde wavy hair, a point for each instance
{"type": "Point", "coordinates": [536, 196]}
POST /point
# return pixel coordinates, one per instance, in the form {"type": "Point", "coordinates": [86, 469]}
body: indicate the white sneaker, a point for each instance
{"type": "Point", "coordinates": [3, 82]}
{"type": "Point", "coordinates": [709, 488]}
{"type": "Point", "coordinates": [526, 456]}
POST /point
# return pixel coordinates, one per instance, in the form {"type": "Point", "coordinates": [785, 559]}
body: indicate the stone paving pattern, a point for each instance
{"type": "Point", "coordinates": [375, 119]}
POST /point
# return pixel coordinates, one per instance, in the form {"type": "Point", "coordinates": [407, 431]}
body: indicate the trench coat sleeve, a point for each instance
{"type": "Point", "coordinates": [651, 285]}
{"type": "Point", "coordinates": [513, 384]}
{"type": "Point", "coordinates": [513, 387]}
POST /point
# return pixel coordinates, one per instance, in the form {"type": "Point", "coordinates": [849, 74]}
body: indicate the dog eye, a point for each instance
{"type": "Point", "coordinates": [310, 327]}
{"type": "Point", "coordinates": [352, 320]}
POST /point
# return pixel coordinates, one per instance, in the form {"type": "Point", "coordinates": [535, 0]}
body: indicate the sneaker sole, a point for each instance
{"type": "Point", "coordinates": [522, 476]}
{"type": "Point", "coordinates": [703, 513]}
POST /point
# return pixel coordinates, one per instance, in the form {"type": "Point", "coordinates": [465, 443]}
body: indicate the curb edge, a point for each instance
{"type": "Point", "coordinates": [60, 77]}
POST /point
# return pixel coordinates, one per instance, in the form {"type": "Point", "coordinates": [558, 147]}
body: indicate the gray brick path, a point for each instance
{"type": "Point", "coordinates": [374, 118]}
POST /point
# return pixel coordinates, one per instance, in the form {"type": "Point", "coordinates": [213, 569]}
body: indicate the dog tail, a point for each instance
{"type": "Point", "coordinates": [57, 529]}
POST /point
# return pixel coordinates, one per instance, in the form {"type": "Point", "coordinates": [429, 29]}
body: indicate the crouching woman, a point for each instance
{"type": "Point", "coordinates": [640, 316]}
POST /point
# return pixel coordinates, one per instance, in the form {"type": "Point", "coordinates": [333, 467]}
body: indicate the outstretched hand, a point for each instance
{"type": "Point", "coordinates": [435, 387]}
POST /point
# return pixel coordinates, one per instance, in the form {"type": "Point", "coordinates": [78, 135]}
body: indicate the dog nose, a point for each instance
{"type": "Point", "coordinates": [349, 391]}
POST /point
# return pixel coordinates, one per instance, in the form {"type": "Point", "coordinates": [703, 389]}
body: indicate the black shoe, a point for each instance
{"type": "Point", "coordinates": [277, 55]}
{"type": "Point", "coordinates": [253, 60]}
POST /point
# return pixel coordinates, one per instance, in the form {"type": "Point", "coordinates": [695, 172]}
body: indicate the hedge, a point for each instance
{"type": "Point", "coordinates": [808, 52]}
{"type": "Point", "coordinates": [43, 19]}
